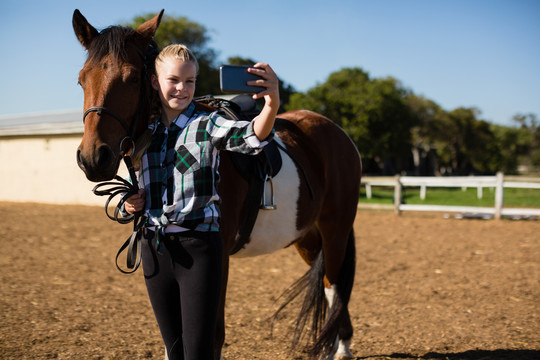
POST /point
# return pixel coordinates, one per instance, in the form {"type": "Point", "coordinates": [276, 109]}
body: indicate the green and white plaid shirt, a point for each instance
{"type": "Point", "coordinates": [179, 169]}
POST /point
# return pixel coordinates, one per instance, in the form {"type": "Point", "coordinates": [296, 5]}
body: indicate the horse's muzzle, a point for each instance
{"type": "Point", "coordinates": [101, 165]}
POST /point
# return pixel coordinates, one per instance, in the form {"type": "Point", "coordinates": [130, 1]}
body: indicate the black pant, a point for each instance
{"type": "Point", "coordinates": [183, 281]}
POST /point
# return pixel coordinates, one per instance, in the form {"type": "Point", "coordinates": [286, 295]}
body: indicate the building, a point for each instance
{"type": "Point", "coordinates": [37, 157]}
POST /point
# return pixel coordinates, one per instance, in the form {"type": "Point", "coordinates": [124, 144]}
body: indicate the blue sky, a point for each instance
{"type": "Point", "coordinates": [471, 53]}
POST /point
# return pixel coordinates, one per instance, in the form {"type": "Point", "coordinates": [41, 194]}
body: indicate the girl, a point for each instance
{"type": "Point", "coordinates": [182, 257]}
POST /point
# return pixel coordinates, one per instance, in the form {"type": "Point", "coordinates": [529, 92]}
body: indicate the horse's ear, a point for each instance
{"type": "Point", "coordinates": [84, 31]}
{"type": "Point", "coordinates": [148, 29]}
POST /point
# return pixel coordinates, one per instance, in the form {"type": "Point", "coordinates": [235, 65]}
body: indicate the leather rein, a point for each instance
{"type": "Point", "coordinates": [122, 187]}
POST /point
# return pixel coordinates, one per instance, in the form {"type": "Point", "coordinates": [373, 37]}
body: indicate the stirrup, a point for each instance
{"type": "Point", "coordinates": [272, 204]}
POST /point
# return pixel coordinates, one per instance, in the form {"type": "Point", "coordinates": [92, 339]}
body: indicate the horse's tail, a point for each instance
{"type": "Point", "coordinates": [324, 329]}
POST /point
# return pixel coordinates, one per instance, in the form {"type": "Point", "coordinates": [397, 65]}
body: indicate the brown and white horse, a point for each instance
{"type": "Point", "coordinates": [316, 191]}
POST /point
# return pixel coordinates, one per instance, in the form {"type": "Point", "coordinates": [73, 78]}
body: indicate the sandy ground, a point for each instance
{"type": "Point", "coordinates": [426, 288]}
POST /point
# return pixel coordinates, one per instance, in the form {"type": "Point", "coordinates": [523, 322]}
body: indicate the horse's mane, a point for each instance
{"type": "Point", "coordinates": [111, 41]}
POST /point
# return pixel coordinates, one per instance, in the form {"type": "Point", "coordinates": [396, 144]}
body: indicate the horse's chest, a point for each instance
{"type": "Point", "coordinates": [275, 229]}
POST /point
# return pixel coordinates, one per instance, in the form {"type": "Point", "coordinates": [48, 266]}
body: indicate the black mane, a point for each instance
{"type": "Point", "coordinates": [111, 41]}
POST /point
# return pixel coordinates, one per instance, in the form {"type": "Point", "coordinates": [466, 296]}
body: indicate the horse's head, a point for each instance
{"type": "Point", "coordinates": [117, 92]}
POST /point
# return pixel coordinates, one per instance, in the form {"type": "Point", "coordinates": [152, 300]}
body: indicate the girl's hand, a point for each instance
{"type": "Point", "coordinates": [135, 203]}
{"type": "Point", "coordinates": [264, 122]}
{"type": "Point", "coordinates": [269, 81]}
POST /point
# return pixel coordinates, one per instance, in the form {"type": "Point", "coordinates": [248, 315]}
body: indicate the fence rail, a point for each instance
{"type": "Point", "coordinates": [499, 182]}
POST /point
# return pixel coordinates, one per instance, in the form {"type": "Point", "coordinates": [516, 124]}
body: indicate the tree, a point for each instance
{"type": "Point", "coordinates": [530, 133]}
{"type": "Point", "coordinates": [467, 145]}
{"type": "Point", "coordinates": [373, 112]}
{"type": "Point", "coordinates": [425, 134]}
{"type": "Point", "coordinates": [181, 30]}
{"type": "Point", "coordinates": [513, 146]}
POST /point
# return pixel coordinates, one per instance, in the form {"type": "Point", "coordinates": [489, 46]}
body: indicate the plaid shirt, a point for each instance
{"type": "Point", "coordinates": [179, 169]}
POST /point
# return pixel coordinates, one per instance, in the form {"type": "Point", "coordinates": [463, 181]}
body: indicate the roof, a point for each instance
{"type": "Point", "coordinates": [64, 122]}
{"type": "Point", "coordinates": [42, 123]}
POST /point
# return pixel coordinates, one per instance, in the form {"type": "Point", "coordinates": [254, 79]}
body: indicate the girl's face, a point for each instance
{"type": "Point", "coordinates": [175, 83]}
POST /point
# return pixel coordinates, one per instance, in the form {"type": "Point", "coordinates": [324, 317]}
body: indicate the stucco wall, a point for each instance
{"type": "Point", "coordinates": [43, 169]}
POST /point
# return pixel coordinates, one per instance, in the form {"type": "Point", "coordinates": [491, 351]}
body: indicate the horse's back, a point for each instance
{"type": "Point", "coordinates": [328, 153]}
{"type": "Point", "coordinates": [328, 139]}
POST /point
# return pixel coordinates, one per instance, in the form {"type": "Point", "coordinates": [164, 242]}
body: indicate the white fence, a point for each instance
{"type": "Point", "coordinates": [498, 182]}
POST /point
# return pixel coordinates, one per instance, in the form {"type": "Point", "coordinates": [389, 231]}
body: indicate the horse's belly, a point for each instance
{"type": "Point", "coordinates": [275, 229]}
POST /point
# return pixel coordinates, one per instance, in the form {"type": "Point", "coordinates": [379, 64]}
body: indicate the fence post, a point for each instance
{"type": "Point", "coordinates": [368, 190]}
{"type": "Point", "coordinates": [499, 195]}
{"type": "Point", "coordinates": [397, 195]}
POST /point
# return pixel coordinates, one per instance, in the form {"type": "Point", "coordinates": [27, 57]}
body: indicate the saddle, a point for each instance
{"type": "Point", "coordinates": [258, 170]}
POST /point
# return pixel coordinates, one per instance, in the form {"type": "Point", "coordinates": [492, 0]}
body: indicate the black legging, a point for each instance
{"type": "Point", "coordinates": [183, 282]}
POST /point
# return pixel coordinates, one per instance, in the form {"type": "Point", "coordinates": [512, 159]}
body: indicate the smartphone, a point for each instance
{"type": "Point", "coordinates": [233, 80]}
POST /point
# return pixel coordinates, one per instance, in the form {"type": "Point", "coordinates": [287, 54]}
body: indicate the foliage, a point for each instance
{"type": "Point", "coordinates": [530, 140]}
{"type": "Point", "coordinates": [470, 145]}
{"type": "Point", "coordinates": [180, 30]}
{"type": "Point", "coordinates": [372, 111]}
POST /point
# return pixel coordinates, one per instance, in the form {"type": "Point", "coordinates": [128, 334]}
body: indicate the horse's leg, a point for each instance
{"type": "Point", "coordinates": [340, 262]}
{"type": "Point", "coordinates": [339, 267]}
{"type": "Point", "coordinates": [220, 326]}
{"type": "Point", "coordinates": [338, 276]}
{"type": "Point", "coordinates": [309, 245]}
{"type": "Point", "coordinates": [342, 350]}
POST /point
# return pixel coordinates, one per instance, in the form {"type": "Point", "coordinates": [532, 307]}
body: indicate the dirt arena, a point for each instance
{"type": "Point", "coordinates": [426, 288]}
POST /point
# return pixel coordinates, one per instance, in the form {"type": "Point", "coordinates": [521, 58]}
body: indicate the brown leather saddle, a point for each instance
{"type": "Point", "coordinates": [257, 170]}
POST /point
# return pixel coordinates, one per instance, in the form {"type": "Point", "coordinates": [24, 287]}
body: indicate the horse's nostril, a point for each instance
{"type": "Point", "coordinates": [80, 161]}
{"type": "Point", "coordinates": [104, 156]}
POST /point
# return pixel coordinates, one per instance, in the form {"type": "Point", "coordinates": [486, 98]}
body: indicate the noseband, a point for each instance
{"type": "Point", "coordinates": [101, 109]}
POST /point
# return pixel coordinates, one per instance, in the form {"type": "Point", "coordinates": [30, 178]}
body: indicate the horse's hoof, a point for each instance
{"type": "Point", "coordinates": [343, 357]}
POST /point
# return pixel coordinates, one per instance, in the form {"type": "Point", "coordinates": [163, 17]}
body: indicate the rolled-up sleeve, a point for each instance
{"type": "Point", "coordinates": [237, 136]}
{"type": "Point", "coordinates": [253, 141]}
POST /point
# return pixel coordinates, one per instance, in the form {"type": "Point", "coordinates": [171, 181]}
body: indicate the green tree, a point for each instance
{"type": "Point", "coordinates": [467, 145]}
{"type": "Point", "coordinates": [530, 135]}
{"type": "Point", "coordinates": [513, 145]}
{"type": "Point", "coordinates": [181, 30]}
{"type": "Point", "coordinates": [425, 134]}
{"type": "Point", "coordinates": [463, 143]}
{"type": "Point", "coordinates": [372, 111]}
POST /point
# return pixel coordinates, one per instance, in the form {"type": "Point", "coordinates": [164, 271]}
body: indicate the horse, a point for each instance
{"type": "Point", "coordinates": [316, 190]}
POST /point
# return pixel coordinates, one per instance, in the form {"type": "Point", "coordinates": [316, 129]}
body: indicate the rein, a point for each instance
{"type": "Point", "coordinates": [122, 187]}
{"type": "Point", "coordinates": [125, 189]}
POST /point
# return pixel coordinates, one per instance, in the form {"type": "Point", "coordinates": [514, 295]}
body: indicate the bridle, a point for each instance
{"type": "Point", "coordinates": [122, 187]}
{"type": "Point", "coordinates": [130, 129]}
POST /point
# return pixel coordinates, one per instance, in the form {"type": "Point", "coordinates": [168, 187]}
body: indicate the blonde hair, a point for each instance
{"type": "Point", "coordinates": [177, 52]}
